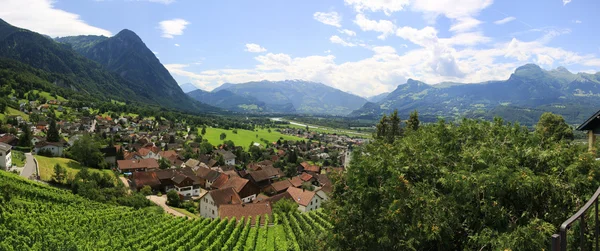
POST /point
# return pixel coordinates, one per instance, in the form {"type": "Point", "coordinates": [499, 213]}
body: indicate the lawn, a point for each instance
{"type": "Point", "coordinates": [185, 212]}
{"type": "Point", "coordinates": [18, 158]}
{"type": "Point", "coordinates": [49, 97]}
{"type": "Point", "coordinates": [244, 137]}
{"type": "Point", "coordinates": [328, 130]}
{"type": "Point", "coordinates": [46, 167]}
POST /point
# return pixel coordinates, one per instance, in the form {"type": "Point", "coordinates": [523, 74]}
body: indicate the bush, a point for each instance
{"type": "Point", "coordinates": [146, 190]}
{"type": "Point", "coordinates": [173, 199]}
{"type": "Point", "coordinates": [189, 206]}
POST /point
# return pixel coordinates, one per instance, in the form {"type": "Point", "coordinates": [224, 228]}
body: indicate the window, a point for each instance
{"type": "Point", "coordinates": [213, 211]}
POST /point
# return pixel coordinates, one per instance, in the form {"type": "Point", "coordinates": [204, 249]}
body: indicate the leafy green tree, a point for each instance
{"type": "Point", "coordinates": [382, 129]}
{"type": "Point", "coordinates": [220, 160]}
{"type": "Point", "coordinates": [87, 151]}
{"type": "Point", "coordinates": [471, 185]}
{"type": "Point", "coordinates": [413, 121]}
{"type": "Point", "coordinates": [146, 190]}
{"type": "Point", "coordinates": [173, 199]}
{"type": "Point", "coordinates": [26, 136]}
{"type": "Point", "coordinates": [60, 174]}
{"type": "Point", "coordinates": [205, 147]}
{"type": "Point", "coordinates": [223, 136]}
{"type": "Point", "coordinates": [164, 163]}
{"type": "Point", "coordinates": [552, 127]}
{"type": "Point", "coordinates": [285, 206]}
{"type": "Point", "coordinates": [52, 135]}
{"type": "Point", "coordinates": [203, 130]}
{"type": "Point", "coordinates": [395, 130]}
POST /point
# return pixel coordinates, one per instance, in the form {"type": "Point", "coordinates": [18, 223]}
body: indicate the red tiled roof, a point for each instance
{"type": "Point", "coordinates": [301, 196]}
{"type": "Point", "coordinates": [167, 154]}
{"type": "Point", "coordinates": [236, 182]}
{"type": "Point", "coordinates": [225, 196]}
{"type": "Point", "coordinates": [281, 185]}
{"type": "Point", "coordinates": [141, 179]}
{"type": "Point", "coordinates": [244, 210]}
{"type": "Point", "coordinates": [296, 181]}
{"type": "Point", "coordinates": [137, 164]}
{"type": "Point", "coordinates": [310, 168]}
{"type": "Point", "coordinates": [306, 177]}
{"type": "Point", "coordinates": [220, 181]}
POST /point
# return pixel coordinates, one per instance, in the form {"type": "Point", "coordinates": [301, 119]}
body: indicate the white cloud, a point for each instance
{"type": "Point", "coordinates": [450, 8]}
{"type": "Point", "coordinates": [338, 40]}
{"type": "Point", "coordinates": [177, 45]}
{"type": "Point", "coordinates": [348, 32]}
{"type": "Point", "coordinates": [160, 1]}
{"type": "Point", "coordinates": [387, 6]}
{"type": "Point", "coordinates": [577, 21]}
{"type": "Point", "coordinates": [565, 2]}
{"type": "Point", "coordinates": [423, 37]}
{"type": "Point", "coordinates": [435, 59]}
{"type": "Point", "coordinates": [328, 18]}
{"type": "Point", "coordinates": [254, 48]}
{"type": "Point", "coordinates": [464, 24]}
{"type": "Point", "coordinates": [41, 16]}
{"type": "Point", "coordinates": [385, 27]}
{"type": "Point", "coordinates": [173, 27]}
{"type": "Point", "coordinates": [505, 20]}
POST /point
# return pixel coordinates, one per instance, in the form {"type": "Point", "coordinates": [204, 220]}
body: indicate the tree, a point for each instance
{"type": "Point", "coordinates": [220, 160]}
{"type": "Point", "coordinates": [164, 163]}
{"type": "Point", "coordinates": [203, 130]}
{"type": "Point", "coordinates": [26, 136]}
{"type": "Point", "coordinates": [146, 190]}
{"type": "Point", "coordinates": [382, 127]}
{"type": "Point", "coordinates": [553, 128]}
{"type": "Point", "coordinates": [171, 139]}
{"type": "Point", "coordinates": [60, 174]}
{"type": "Point", "coordinates": [205, 147]}
{"type": "Point", "coordinates": [413, 121]}
{"type": "Point", "coordinates": [307, 128]}
{"type": "Point", "coordinates": [285, 207]}
{"type": "Point", "coordinates": [173, 198]}
{"type": "Point", "coordinates": [223, 136]}
{"type": "Point", "coordinates": [87, 151]}
{"type": "Point", "coordinates": [473, 185]}
{"type": "Point", "coordinates": [395, 130]}
{"type": "Point", "coordinates": [120, 154]}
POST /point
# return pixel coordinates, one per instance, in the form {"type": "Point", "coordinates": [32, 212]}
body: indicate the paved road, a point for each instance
{"type": "Point", "coordinates": [162, 202]}
{"type": "Point", "coordinates": [30, 166]}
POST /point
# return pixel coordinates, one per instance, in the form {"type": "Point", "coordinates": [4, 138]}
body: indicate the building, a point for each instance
{"type": "Point", "coordinates": [110, 155]}
{"type": "Point", "coordinates": [52, 148]}
{"type": "Point", "coordinates": [228, 157]}
{"type": "Point", "coordinates": [592, 126]}
{"type": "Point", "coordinates": [211, 202]}
{"type": "Point", "coordinates": [137, 165]}
{"type": "Point", "coordinates": [238, 211]}
{"type": "Point", "coordinates": [5, 156]}
{"type": "Point", "coordinates": [307, 200]}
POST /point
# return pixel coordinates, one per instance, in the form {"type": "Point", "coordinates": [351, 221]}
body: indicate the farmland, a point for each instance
{"type": "Point", "coordinates": [46, 167]}
{"type": "Point", "coordinates": [245, 137]}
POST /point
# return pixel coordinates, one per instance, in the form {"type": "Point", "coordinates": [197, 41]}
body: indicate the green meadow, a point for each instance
{"type": "Point", "coordinates": [244, 137]}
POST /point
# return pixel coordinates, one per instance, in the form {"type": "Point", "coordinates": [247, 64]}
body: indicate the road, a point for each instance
{"type": "Point", "coordinates": [30, 166]}
{"type": "Point", "coordinates": [126, 183]}
{"type": "Point", "coordinates": [162, 202]}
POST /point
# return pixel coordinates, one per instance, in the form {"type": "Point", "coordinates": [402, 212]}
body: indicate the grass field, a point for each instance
{"type": "Point", "coordinates": [18, 158]}
{"type": "Point", "coordinates": [46, 167]}
{"type": "Point", "coordinates": [186, 212]}
{"type": "Point", "coordinates": [13, 112]}
{"type": "Point", "coordinates": [244, 137]}
{"type": "Point", "coordinates": [49, 97]}
{"type": "Point", "coordinates": [327, 130]}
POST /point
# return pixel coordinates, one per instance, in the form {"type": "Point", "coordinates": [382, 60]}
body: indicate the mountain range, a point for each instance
{"type": "Point", "coordinates": [295, 96]}
{"type": "Point", "coordinates": [527, 93]}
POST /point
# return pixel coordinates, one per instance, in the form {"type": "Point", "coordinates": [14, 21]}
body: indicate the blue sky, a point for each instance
{"type": "Point", "coordinates": [365, 47]}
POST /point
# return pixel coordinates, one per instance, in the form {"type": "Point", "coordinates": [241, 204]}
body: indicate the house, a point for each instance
{"type": "Point", "coordinates": [192, 163]}
{"type": "Point", "coordinates": [243, 187]}
{"type": "Point", "coordinates": [5, 156]}
{"type": "Point", "coordinates": [275, 198]}
{"type": "Point", "coordinates": [592, 126]}
{"type": "Point", "coordinates": [278, 187]}
{"type": "Point", "coordinates": [263, 178]}
{"type": "Point", "coordinates": [305, 177]}
{"type": "Point", "coordinates": [186, 185]}
{"type": "Point", "coordinates": [110, 155]}
{"type": "Point", "coordinates": [53, 148]}
{"type": "Point", "coordinates": [306, 167]}
{"type": "Point", "coordinates": [307, 200]}
{"type": "Point", "coordinates": [37, 139]}
{"type": "Point", "coordinates": [141, 179]}
{"type": "Point", "coordinates": [211, 201]}
{"type": "Point", "coordinates": [9, 139]}
{"type": "Point", "coordinates": [238, 211]}
{"type": "Point", "coordinates": [228, 157]}
{"type": "Point", "coordinates": [296, 181]}
{"type": "Point", "coordinates": [209, 175]}
{"type": "Point", "coordinates": [147, 153]}
{"type": "Point", "coordinates": [141, 165]}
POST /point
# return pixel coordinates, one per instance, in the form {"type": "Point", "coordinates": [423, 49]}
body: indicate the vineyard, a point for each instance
{"type": "Point", "coordinates": [38, 217]}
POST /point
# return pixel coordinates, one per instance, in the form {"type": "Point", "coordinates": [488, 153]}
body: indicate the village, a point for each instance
{"type": "Point", "coordinates": [158, 157]}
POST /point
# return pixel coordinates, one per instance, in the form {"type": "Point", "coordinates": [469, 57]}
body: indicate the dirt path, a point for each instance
{"type": "Point", "coordinates": [162, 202]}
{"type": "Point", "coordinates": [126, 183]}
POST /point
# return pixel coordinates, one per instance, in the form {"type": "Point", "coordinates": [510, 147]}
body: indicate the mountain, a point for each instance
{"type": "Point", "coordinates": [188, 87]}
{"type": "Point", "coordinates": [378, 97]}
{"type": "Point", "coordinates": [525, 95]}
{"type": "Point", "coordinates": [126, 55]}
{"type": "Point", "coordinates": [301, 96]}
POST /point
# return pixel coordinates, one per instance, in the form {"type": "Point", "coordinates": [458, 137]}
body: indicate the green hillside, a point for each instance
{"type": "Point", "coordinates": [38, 217]}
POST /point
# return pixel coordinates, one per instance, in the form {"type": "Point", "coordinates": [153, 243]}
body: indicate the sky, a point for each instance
{"type": "Point", "coordinates": [365, 47]}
